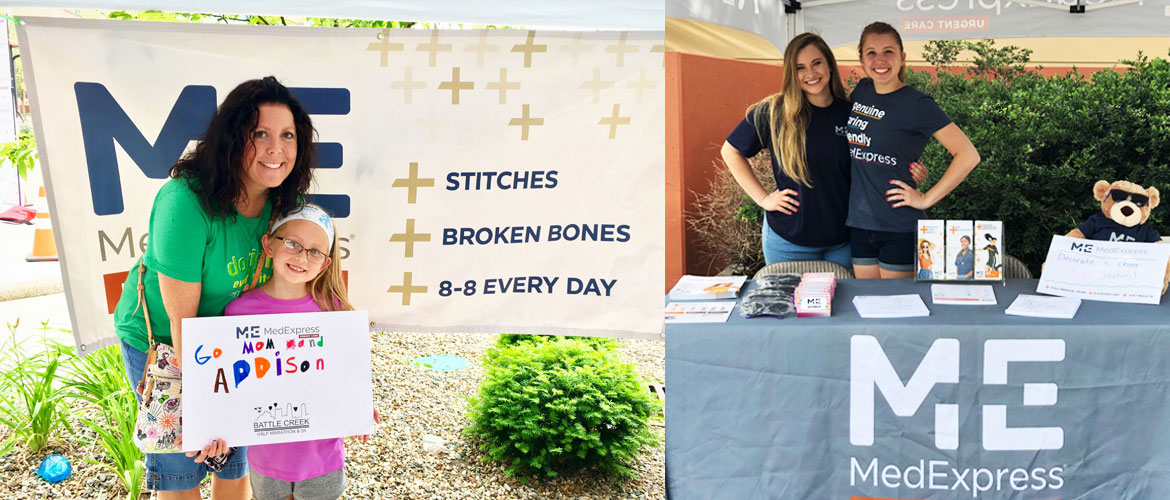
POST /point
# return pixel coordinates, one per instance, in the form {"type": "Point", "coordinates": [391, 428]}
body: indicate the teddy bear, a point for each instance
{"type": "Point", "coordinates": [1125, 208]}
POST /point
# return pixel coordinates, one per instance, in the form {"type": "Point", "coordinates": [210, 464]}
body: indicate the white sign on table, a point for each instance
{"type": "Point", "coordinates": [1111, 271]}
{"type": "Point", "coordinates": [276, 378]}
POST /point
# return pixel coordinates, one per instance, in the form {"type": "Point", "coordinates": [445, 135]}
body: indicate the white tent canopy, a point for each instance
{"type": "Point", "coordinates": [593, 14]}
{"type": "Point", "coordinates": [840, 21]}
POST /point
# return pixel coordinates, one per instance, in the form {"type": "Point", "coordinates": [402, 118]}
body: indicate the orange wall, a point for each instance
{"type": "Point", "coordinates": [705, 98]}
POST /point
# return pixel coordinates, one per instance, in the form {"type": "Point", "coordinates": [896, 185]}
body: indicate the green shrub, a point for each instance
{"type": "Point", "coordinates": [1044, 141]}
{"type": "Point", "coordinates": [510, 339]}
{"type": "Point", "coordinates": [560, 407]}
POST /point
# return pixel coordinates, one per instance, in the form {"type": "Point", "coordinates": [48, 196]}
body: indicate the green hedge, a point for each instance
{"type": "Point", "coordinates": [557, 407]}
{"type": "Point", "coordinates": [1045, 140]}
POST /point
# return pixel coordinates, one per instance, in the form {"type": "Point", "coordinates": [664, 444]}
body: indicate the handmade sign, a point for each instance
{"type": "Point", "coordinates": [276, 378]}
{"type": "Point", "coordinates": [1112, 271]}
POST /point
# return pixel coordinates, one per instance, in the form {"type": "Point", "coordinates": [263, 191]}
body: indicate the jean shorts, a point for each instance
{"type": "Point", "coordinates": [890, 251]}
{"type": "Point", "coordinates": [177, 471]}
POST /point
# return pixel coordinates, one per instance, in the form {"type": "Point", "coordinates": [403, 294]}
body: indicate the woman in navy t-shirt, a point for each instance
{"type": "Point", "coordinates": [804, 127]}
{"type": "Point", "coordinates": [889, 125]}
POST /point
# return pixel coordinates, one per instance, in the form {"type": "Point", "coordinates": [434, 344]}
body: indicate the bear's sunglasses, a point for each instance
{"type": "Point", "coordinates": [293, 248]}
{"type": "Point", "coordinates": [1119, 195]}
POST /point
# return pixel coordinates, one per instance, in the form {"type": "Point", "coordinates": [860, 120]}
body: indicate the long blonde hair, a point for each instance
{"type": "Point", "coordinates": [788, 111]}
{"type": "Point", "coordinates": [328, 287]}
{"type": "Point", "coordinates": [880, 28]}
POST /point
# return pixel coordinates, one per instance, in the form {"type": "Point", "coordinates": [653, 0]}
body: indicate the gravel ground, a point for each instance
{"type": "Point", "coordinates": [413, 402]}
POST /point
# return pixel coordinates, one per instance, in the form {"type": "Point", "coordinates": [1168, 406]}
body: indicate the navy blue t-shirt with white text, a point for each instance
{"type": "Point", "coordinates": [887, 132]}
{"type": "Point", "coordinates": [820, 218]}
{"type": "Point", "coordinates": [1100, 227]}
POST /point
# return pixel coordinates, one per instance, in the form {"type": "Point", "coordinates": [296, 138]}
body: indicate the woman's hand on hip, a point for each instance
{"type": "Point", "coordinates": [918, 172]}
{"type": "Point", "coordinates": [905, 196]}
{"type": "Point", "coordinates": [781, 201]}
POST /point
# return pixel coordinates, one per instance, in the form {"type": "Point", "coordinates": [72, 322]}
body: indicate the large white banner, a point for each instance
{"type": "Point", "coordinates": [276, 378]}
{"type": "Point", "coordinates": [481, 180]}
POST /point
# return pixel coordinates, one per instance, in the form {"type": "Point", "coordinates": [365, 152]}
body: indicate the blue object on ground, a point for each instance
{"type": "Point", "coordinates": [54, 468]}
{"type": "Point", "coordinates": [442, 362]}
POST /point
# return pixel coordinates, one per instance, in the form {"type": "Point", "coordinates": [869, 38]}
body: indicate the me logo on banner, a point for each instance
{"type": "Point", "coordinates": [870, 368]}
{"type": "Point", "coordinates": [104, 122]}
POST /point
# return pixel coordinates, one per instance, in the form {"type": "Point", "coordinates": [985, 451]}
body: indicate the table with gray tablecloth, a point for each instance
{"type": "Point", "coordinates": [966, 403]}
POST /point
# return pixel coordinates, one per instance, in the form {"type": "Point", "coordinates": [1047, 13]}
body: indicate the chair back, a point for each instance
{"type": "Point", "coordinates": [1014, 268]}
{"type": "Point", "coordinates": [805, 266]}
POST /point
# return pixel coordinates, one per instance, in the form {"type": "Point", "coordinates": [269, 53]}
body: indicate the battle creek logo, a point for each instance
{"type": "Point", "coordinates": [281, 419]}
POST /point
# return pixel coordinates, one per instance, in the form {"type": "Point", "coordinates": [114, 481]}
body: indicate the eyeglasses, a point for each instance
{"type": "Point", "coordinates": [1120, 195]}
{"type": "Point", "coordinates": [293, 248]}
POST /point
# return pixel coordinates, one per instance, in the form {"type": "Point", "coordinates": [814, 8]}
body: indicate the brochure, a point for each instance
{"type": "Point", "coordinates": [974, 295]}
{"type": "Point", "coordinates": [691, 287]}
{"type": "Point", "coordinates": [698, 312]}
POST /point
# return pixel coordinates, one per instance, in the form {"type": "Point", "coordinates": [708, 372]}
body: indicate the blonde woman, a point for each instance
{"type": "Point", "coordinates": [803, 126]}
{"type": "Point", "coordinates": [889, 125]}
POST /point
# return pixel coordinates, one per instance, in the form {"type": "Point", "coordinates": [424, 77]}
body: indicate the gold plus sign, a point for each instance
{"type": "Point", "coordinates": [596, 85]}
{"type": "Point", "coordinates": [503, 86]}
{"type": "Point", "coordinates": [431, 122]}
{"type": "Point", "coordinates": [455, 85]}
{"type": "Point", "coordinates": [660, 48]}
{"type": "Point", "coordinates": [481, 48]}
{"type": "Point", "coordinates": [406, 289]}
{"type": "Point", "coordinates": [413, 182]}
{"type": "Point", "coordinates": [384, 46]}
{"type": "Point", "coordinates": [614, 121]}
{"type": "Point", "coordinates": [524, 122]}
{"type": "Point", "coordinates": [407, 85]}
{"type": "Point", "coordinates": [434, 47]}
{"type": "Point", "coordinates": [621, 49]}
{"type": "Point", "coordinates": [528, 48]}
{"type": "Point", "coordinates": [642, 84]}
{"type": "Point", "coordinates": [410, 237]}
{"type": "Point", "coordinates": [576, 48]}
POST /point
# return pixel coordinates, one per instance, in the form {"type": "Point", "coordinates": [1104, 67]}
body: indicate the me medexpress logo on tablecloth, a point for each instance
{"type": "Point", "coordinates": [871, 368]}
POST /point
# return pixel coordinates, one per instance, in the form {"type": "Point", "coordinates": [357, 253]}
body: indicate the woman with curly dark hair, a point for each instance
{"type": "Point", "coordinates": [254, 162]}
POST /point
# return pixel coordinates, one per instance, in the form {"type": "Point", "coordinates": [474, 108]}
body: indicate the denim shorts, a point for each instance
{"type": "Point", "coordinates": [778, 249]}
{"type": "Point", "coordinates": [890, 251]}
{"type": "Point", "coordinates": [177, 471]}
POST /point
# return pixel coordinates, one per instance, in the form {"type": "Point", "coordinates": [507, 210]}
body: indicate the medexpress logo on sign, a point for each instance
{"type": "Point", "coordinates": [871, 368]}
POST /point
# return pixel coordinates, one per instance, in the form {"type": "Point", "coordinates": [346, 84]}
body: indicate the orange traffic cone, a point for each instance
{"type": "Point", "coordinates": [44, 246]}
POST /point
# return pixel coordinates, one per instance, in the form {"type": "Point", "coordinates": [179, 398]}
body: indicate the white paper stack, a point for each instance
{"type": "Point", "coordinates": [691, 287]}
{"type": "Point", "coordinates": [1040, 306]}
{"type": "Point", "coordinates": [890, 306]}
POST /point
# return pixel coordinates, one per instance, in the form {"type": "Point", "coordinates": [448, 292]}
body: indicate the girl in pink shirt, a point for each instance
{"type": "Point", "coordinates": [306, 277]}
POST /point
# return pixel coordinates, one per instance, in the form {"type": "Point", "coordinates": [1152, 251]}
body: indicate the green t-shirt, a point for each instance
{"type": "Point", "coordinates": [187, 244]}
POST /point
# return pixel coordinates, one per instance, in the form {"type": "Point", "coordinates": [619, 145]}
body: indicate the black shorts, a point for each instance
{"type": "Point", "coordinates": [889, 251]}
